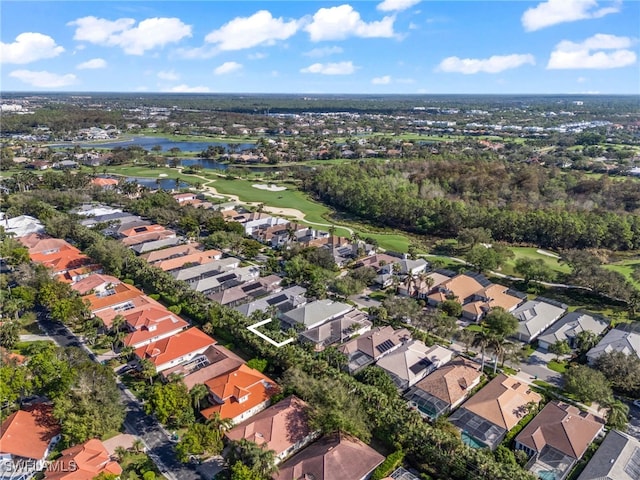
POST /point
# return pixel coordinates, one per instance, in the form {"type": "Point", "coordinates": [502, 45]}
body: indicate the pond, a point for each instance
{"type": "Point", "coordinates": [166, 144]}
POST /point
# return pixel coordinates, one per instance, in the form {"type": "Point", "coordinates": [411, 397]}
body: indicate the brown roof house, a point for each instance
{"type": "Point", "coordinates": [333, 457]}
{"type": "Point", "coordinates": [486, 417]}
{"type": "Point", "coordinates": [282, 428]}
{"type": "Point", "coordinates": [413, 361]}
{"type": "Point", "coordinates": [446, 388]}
{"type": "Point", "coordinates": [372, 346]}
{"type": "Point", "coordinates": [557, 438]}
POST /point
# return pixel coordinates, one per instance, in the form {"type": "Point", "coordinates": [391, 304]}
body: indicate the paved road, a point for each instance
{"type": "Point", "coordinates": [137, 422]}
{"type": "Point", "coordinates": [634, 421]}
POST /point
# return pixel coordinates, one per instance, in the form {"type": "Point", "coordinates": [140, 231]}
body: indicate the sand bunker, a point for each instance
{"type": "Point", "coordinates": [271, 188]}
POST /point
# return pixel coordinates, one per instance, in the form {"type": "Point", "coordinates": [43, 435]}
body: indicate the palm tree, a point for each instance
{"type": "Point", "coordinates": [482, 339]}
{"type": "Point", "coordinates": [198, 393]}
{"type": "Point", "coordinates": [148, 370]}
{"type": "Point", "coordinates": [138, 445]}
{"type": "Point", "coordinates": [618, 414]}
{"type": "Point", "coordinates": [497, 344]}
{"type": "Point", "coordinates": [219, 423]}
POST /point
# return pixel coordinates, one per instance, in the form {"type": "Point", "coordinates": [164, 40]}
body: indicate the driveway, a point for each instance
{"type": "Point", "coordinates": [536, 367]}
{"type": "Point", "coordinates": [364, 301]}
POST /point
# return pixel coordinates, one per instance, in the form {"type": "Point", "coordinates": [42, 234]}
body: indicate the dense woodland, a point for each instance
{"type": "Point", "coordinates": [518, 203]}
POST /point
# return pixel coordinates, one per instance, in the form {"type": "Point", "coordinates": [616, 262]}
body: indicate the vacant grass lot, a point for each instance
{"type": "Point", "coordinates": [626, 268]}
{"type": "Point", "coordinates": [532, 252]}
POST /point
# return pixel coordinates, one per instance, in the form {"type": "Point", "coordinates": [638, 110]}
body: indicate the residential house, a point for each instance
{"type": "Point", "coordinates": [492, 296]}
{"type": "Point", "coordinates": [486, 417]}
{"type": "Point", "coordinates": [226, 280]}
{"type": "Point", "coordinates": [256, 221]}
{"type": "Point", "coordinates": [83, 462]}
{"type": "Point", "coordinates": [370, 347]}
{"type": "Point", "coordinates": [568, 328]}
{"type": "Point", "coordinates": [176, 349]}
{"type": "Point", "coordinates": [97, 283]}
{"type": "Point", "coordinates": [283, 301]}
{"type": "Point", "coordinates": [93, 210]}
{"type": "Point", "coordinates": [113, 219]}
{"type": "Point", "coordinates": [21, 225]}
{"type": "Point", "coordinates": [535, 316]}
{"type": "Point", "coordinates": [133, 240]}
{"type": "Point", "coordinates": [239, 294]}
{"type": "Point", "coordinates": [151, 245]}
{"type": "Point", "coordinates": [171, 252]}
{"type": "Point", "coordinates": [353, 324]}
{"type": "Point", "coordinates": [413, 361]}
{"type": "Point", "coordinates": [378, 261]}
{"type": "Point", "coordinates": [314, 314]}
{"type": "Point", "coordinates": [117, 297]}
{"type": "Point", "coordinates": [185, 198]}
{"type": "Point", "coordinates": [625, 340]}
{"type": "Point", "coordinates": [196, 258]}
{"type": "Point", "coordinates": [461, 287]}
{"type": "Point", "coordinates": [28, 436]}
{"type": "Point", "coordinates": [422, 285]}
{"type": "Point", "coordinates": [142, 230]}
{"type": "Point", "coordinates": [192, 275]}
{"type": "Point", "coordinates": [67, 262]}
{"type": "Point", "coordinates": [119, 225]}
{"type": "Point", "coordinates": [442, 391]}
{"type": "Point", "coordinates": [105, 183]}
{"type": "Point", "coordinates": [412, 267]}
{"type": "Point", "coordinates": [557, 438]}
{"type": "Point", "coordinates": [332, 457]}
{"type": "Point", "coordinates": [216, 360]}
{"type": "Point", "coordinates": [617, 458]}
{"type": "Point", "coordinates": [283, 428]}
{"type": "Point", "coordinates": [150, 324]}
{"type": "Point", "coordinates": [239, 394]}
{"type": "Point", "coordinates": [43, 243]}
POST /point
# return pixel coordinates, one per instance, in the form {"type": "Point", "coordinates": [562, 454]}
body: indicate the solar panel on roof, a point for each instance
{"type": "Point", "coordinates": [419, 366]}
{"type": "Point", "coordinates": [276, 300]}
{"type": "Point", "coordinates": [224, 278]}
{"type": "Point", "coordinates": [384, 346]}
{"type": "Point", "coordinates": [250, 287]}
{"type": "Point", "coordinates": [139, 229]}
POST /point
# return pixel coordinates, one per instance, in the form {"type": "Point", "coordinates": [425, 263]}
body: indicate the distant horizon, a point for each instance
{"type": "Point", "coordinates": [314, 47]}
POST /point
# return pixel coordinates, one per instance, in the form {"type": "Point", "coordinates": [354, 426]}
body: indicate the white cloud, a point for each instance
{"type": "Point", "coordinates": [169, 75]}
{"type": "Point", "coordinates": [29, 47]}
{"type": "Point", "coordinates": [340, 68]}
{"type": "Point", "coordinates": [227, 67]}
{"type": "Point", "coordinates": [553, 12]}
{"type": "Point", "coordinates": [134, 40]}
{"type": "Point", "coordinates": [396, 5]}
{"type": "Point", "coordinates": [258, 29]}
{"type": "Point", "coordinates": [590, 54]}
{"type": "Point", "coordinates": [494, 64]}
{"type": "Point", "coordinates": [257, 56]}
{"type": "Point", "coordinates": [93, 64]}
{"type": "Point", "coordinates": [323, 52]}
{"type": "Point", "coordinates": [183, 88]}
{"type": "Point", "coordinates": [338, 23]}
{"type": "Point", "coordinates": [582, 79]}
{"type": "Point", "coordinates": [384, 80]}
{"type": "Point", "coordinates": [44, 79]}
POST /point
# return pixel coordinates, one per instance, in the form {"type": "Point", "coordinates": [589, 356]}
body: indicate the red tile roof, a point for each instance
{"type": "Point", "coordinates": [27, 433]}
{"type": "Point", "coordinates": [242, 383]}
{"type": "Point", "coordinates": [91, 282]}
{"type": "Point", "coordinates": [176, 346]}
{"type": "Point", "coordinates": [122, 293]}
{"type": "Point", "coordinates": [171, 252]}
{"type": "Point", "coordinates": [104, 182]}
{"type": "Point", "coordinates": [66, 259]}
{"type": "Point", "coordinates": [197, 258]}
{"type": "Point", "coordinates": [83, 462]}
{"type": "Point", "coordinates": [149, 322]}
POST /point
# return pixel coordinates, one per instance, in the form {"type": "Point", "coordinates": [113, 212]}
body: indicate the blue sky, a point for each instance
{"type": "Point", "coordinates": [386, 46]}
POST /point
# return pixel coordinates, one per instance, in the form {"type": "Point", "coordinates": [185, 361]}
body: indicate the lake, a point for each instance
{"type": "Point", "coordinates": [149, 142]}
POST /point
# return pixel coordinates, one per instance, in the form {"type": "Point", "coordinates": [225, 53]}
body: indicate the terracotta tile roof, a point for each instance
{"type": "Point", "coordinates": [197, 258]}
{"type": "Point", "coordinates": [497, 296]}
{"type": "Point", "coordinates": [104, 182]}
{"type": "Point", "coordinates": [122, 293]}
{"type": "Point", "coordinates": [142, 230]}
{"type": "Point", "coordinates": [40, 242]}
{"type": "Point", "coordinates": [83, 462]}
{"type": "Point", "coordinates": [108, 314]}
{"type": "Point", "coordinates": [32, 239]}
{"type": "Point", "coordinates": [451, 382]}
{"type": "Point", "coordinates": [167, 253]}
{"type": "Point", "coordinates": [563, 427]}
{"type": "Point", "coordinates": [10, 357]}
{"type": "Point", "coordinates": [27, 433]}
{"type": "Point", "coordinates": [92, 282]}
{"type": "Point", "coordinates": [333, 457]}
{"type": "Point", "coordinates": [61, 261]}
{"type": "Point", "coordinates": [149, 322]}
{"type": "Point", "coordinates": [231, 387]}
{"type": "Point", "coordinates": [279, 427]}
{"type": "Point", "coordinates": [462, 286]}
{"type": "Point", "coordinates": [175, 346]}
{"type": "Point", "coordinates": [502, 401]}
